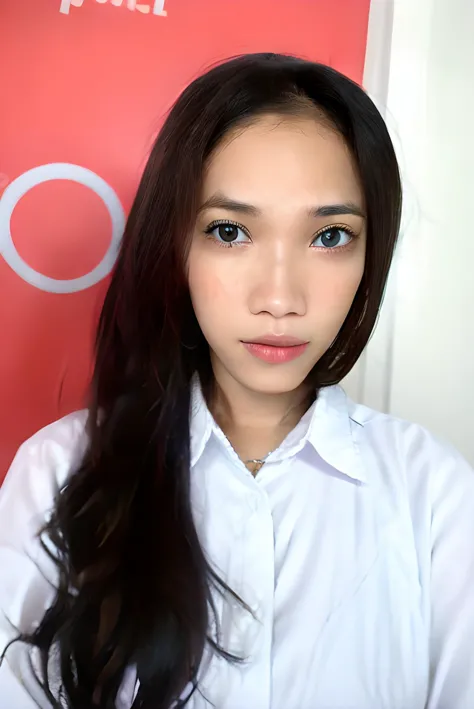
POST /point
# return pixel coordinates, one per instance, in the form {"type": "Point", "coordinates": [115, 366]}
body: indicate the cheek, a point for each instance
{"type": "Point", "coordinates": [211, 292]}
{"type": "Point", "coordinates": [344, 291]}
{"type": "Point", "coordinates": [334, 292]}
{"type": "Point", "coordinates": [204, 287]}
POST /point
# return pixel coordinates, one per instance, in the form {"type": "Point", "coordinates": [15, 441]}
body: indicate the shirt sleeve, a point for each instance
{"type": "Point", "coordinates": [28, 577]}
{"type": "Point", "coordinates": [452, 583]}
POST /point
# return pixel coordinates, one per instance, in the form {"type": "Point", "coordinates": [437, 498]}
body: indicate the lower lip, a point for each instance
{"type": "Point", "coordinates": [275, 355]}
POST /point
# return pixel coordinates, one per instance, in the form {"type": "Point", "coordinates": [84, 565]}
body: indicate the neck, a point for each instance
{"type": "Point", "coordinates": [254, 422]}
{"type": "Point", "coordinates": [240, 406]}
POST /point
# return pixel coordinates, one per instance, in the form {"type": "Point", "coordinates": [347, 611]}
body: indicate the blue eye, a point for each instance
{"type": "Point", "coordinates": [333, 237]}
{"type": "Point", "coordinates": [227, 233]}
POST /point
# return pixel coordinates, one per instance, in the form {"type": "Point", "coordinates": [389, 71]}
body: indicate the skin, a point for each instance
{"type": "Point", "coordinates": [281, 277]}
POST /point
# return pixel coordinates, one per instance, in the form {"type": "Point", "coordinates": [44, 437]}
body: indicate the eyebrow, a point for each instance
{"type": "Point", "coordinates": [220, 201]}
{"type": "Point", "coordinates": [334, 210]}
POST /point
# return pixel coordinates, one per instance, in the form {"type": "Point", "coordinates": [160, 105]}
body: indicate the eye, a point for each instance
{"type": "Point", "coordinates": [227, 233]}
{"type": "Point", "coordinates": [334, 237]}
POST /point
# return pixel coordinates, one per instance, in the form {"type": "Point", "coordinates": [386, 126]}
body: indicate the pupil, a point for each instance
{"type": "Point", "coordinates": [228, 232]}
{"type": "Point", "coordinates": [331, 237]}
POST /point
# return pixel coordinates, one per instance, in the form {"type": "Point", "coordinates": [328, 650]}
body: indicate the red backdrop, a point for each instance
{"type": "Point", "coordinates": [84, 86]}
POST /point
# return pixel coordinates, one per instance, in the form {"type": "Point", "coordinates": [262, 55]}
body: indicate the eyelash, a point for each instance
{"type": "Point", "coordinates": [220, 222]}
{"type": "Point", "coordinates": [339, 227]}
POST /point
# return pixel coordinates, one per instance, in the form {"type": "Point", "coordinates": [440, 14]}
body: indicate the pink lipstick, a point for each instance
{"type": "Point", "coordinates": [276, 349]}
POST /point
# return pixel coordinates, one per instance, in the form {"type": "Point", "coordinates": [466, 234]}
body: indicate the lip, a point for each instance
{"type": "Point", "coordinates": [276, 341]}
{"type": "Point", "coordinates": [276, 349]}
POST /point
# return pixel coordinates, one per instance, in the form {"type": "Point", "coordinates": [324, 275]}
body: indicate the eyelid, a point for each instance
{"type": "Point", "coordinates": [337, 249]}
{"type": "Point", "coordinates": [343, 227]}
{"type": "Point", "coordinates": [219, 222]}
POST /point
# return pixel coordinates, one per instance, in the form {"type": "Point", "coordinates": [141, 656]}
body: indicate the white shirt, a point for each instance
{"type": "Point", "coordinates": [354, 544]}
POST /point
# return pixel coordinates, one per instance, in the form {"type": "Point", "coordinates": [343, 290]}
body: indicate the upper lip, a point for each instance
{"type": "Point", "coordinates": [276, 341]}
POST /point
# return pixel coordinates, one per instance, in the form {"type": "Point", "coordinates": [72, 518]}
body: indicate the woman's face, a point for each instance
{"type": "Point", "coordinates": [278, 251]}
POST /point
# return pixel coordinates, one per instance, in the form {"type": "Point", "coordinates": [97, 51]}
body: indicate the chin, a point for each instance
{"type": "Point", "coordinates": [263, 378]}
{"type": "Point", "coordinates": [278, 379]}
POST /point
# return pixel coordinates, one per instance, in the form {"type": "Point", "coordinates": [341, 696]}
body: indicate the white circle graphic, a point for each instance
{"type": "Point", "coordinates": [59, 171]}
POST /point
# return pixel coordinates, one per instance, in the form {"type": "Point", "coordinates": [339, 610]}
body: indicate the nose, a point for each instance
{"type": "Point", "coordinates": [279, 287]}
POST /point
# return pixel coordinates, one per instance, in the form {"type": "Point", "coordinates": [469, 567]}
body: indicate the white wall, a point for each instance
{"type": "Point", "coordinates": [420, 364]}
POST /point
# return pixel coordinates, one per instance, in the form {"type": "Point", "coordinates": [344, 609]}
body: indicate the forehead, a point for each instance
{"type": "Point", "coordinates": [296, 159]}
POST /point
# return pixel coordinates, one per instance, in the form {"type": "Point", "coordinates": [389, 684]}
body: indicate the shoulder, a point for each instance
{"type": "Point", "coordinates": [43, 462]}
{"type": "Point", "coordinates": [408, 454]}
{"type": "Point", "coordinates": [29, 575]}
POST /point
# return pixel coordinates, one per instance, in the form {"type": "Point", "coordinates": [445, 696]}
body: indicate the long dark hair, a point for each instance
{"type": "Point", "coordinates": [135, 587]}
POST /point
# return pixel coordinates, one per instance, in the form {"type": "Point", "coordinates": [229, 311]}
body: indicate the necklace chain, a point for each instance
{"type": "Point", "coordinates": [258, 461]}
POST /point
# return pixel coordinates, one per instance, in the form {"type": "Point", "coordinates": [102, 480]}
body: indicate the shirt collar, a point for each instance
{"type": "Point", "coordinates": [326, 426]}
{"type": "Point", "coordinates": [201, 421]}
{"type": "Point", "coordinates": [332, 432]}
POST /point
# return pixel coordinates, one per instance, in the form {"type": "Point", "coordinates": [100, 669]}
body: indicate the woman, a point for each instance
{"type": "Point", "coordinates": [224, 527]}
